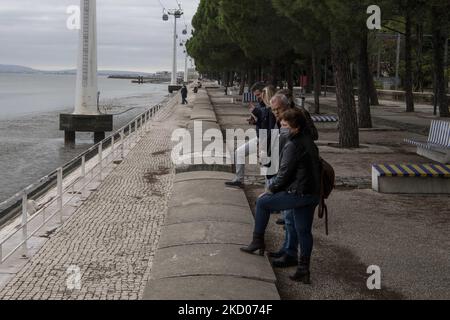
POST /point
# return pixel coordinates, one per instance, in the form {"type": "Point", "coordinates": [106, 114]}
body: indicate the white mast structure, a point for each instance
{"type": "Point", "coordinates": [86, 88]}
{"type": "Point", "coordinates": [86, 116]}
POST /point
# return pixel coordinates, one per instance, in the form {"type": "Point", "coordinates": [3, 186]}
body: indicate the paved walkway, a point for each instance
{"type": "Point", "coordinates": [405, 235]}
{"type": "Point", "coordinates": [205, 225]}
{"type": "Point", "coordinates": [113, 236]}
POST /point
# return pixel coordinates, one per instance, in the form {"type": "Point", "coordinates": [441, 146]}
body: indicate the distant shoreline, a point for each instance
{"type": "Point", "coordinates": [17, 69]}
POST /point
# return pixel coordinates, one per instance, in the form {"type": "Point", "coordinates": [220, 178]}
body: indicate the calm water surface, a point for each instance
{"type": "Point", "coordinates": [31, 145]}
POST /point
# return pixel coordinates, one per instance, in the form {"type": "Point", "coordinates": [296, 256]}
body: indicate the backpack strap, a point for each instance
{"type": "Point", "coordinates": [323, 212]}
{"type": "Point", "coordinates": [323, 208]}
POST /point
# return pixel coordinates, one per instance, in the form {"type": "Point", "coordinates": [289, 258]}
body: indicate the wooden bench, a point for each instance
{"type": "Point", "coordinates": [325, 121]}
{"type": "Point", "coordinates": [411, 178]}
{"type": "Point", "coordinates": [317, 118]}
{"type": "Point", "coordinates": [437, 147]}
{"type": "Point", "coordinates": [249, 97]}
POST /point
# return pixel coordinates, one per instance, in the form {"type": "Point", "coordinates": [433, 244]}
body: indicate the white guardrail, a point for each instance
{"type": "Point", "coordinates": [71, 180]}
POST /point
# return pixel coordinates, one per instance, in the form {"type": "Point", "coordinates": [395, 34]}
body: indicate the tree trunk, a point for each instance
{"type": "Point", "coordinates": [261, 73]}
{"type": "Point", "coordinates": [373, 93]}
{"type": "Point", "coordinates": [364, 117]}
{"type": "Point", "coordinates": [348, 127]}
{"type": "Point", "coordinates": [408, 64]}
{"type": "Point", "coordinates": [325, 80]}
{"type": "Point", "coordinates": [439, 38]}
{"type": "Point", "coordinates": [274, 73]}
{"type": "Point", "coordinates": [317, 80]}
{"type": "Point", "coordinates": [242, 84]}
{"type": "Point", "coordinates": [419, 79]}
{"type": "Point", "coordinates": [290, 77]}
{"type": "Point", "coordinates": [224, 78]}
{"type": "Point", "coordinates": [251, 78]}
{"type": "Point", "coordinates": [309, 76]}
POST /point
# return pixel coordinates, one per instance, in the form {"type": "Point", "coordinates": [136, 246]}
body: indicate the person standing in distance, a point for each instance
{"type": "Point", "coordinates": [184, 94]}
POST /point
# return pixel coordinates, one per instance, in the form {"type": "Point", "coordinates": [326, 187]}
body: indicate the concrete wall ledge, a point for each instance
{"type": "Point", "coordinates": [198, 256]}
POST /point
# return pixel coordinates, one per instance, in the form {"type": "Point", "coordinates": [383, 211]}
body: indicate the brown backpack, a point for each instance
{"type": "Point", "coordinates": [327, 184]}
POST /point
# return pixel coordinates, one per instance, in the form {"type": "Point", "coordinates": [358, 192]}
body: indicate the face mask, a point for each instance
{"type": "Point", "coordinates": [285, 131]}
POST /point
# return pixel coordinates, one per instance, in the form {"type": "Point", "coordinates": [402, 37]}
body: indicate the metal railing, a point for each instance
{"type": "Point", "coordinates": [69, 181]}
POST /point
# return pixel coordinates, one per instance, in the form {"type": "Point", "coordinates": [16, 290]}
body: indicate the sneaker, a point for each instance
{"type": "Point", "coordinates": [234, 184]}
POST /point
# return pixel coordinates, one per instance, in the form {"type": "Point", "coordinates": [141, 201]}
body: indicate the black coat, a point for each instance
{"type": "Point", "coordinates": [299, 167]}
{"type": "Point", "coordinates": [184, 92]}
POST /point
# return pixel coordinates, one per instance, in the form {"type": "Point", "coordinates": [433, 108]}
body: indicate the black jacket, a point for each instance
{"type": "Point", "coordinates": [299, 167]}
{"type": "Point", "coordinates": [184, 92]}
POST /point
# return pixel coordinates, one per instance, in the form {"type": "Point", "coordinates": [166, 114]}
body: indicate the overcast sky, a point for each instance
{"type": "Point", "coordinates": [131, 34]}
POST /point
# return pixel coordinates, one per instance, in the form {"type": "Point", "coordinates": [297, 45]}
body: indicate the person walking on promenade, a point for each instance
{"type": "Point", "coordinates": [184, 94]}
{"type": "Point", "coordinates": [258, 114]}
{"type": "Point", "coordinates": [296, 186]}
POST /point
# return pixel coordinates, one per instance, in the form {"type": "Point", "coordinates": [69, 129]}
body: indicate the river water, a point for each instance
{"type": "Point", "coordinates": [31, 145]}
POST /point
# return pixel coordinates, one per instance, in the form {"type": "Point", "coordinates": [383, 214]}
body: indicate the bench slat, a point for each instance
{"type": "Point", "coordinates": [325, 118]}
{"type": "Point", "coordinates": [412, 170]}
{"type": "Point", "coordinates": [440, 133]}
{"type": "Point", "coordinates": [249, 97]}
{"type": "Point", "coordinates": [428, 145]}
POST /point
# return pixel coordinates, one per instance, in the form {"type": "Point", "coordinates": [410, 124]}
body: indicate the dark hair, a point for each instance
{"type": "Point", "coordinates": [258, 86]}
{"type": "Point", "coordinates": [296, 119]}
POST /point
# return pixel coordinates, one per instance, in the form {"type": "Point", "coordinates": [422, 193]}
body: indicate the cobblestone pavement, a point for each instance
{"type": "Point", "coordinates": [113, 236]}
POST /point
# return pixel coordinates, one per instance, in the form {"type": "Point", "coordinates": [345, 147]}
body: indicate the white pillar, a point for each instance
{"type": "Point", "coordinates": [86, 87]}
{"type": "Point", "coordinates": [186, 68]}
{"type": "Point", "coordinates": [174, 65]}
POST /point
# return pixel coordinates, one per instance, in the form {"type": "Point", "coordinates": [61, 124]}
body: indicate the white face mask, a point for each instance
{"type": "Point", "coordinates": [285, 131]}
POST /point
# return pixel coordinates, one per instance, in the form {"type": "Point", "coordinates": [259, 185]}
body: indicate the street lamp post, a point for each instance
{"type": "Point", "coordinates": [174, 54]}
{"type": "Point", "coordinates": [186, 79]}
{"type": "Point", "coordinates": [183, 43]}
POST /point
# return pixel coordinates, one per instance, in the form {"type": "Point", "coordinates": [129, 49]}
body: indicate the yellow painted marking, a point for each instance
{"type": "Point", "coordinates": [397, 170]}
{"type": "Point", "coordinates": [404, 167]}
{"type": "Point", "coordinates": [421, 172]}
{"type": "Point", "coordinates": [385, 170]}
{"type": "Point", "coordinates": [431, 170]}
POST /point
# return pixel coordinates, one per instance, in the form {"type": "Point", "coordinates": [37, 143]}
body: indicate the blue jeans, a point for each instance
{"type": "Point", "coordinates": [303, 219]}
{"type": "Point", "coordinates": [303, 207]}
{"type": "Point", "coordinates": [290, 244]}
{"type": "Point", "coordinates": [239, 157]}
